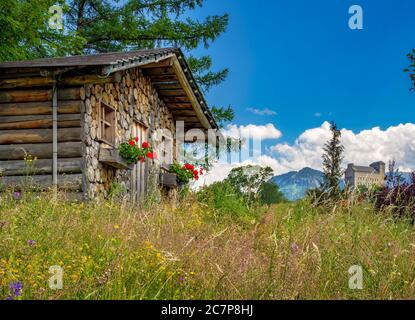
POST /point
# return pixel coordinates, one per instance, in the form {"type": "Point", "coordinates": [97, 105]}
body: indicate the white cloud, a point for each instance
{"type": "Point", "coordinates": [262, 112]}
{"type": "Point", "coordinates": [317, 114]}
{"type": "Point", "coordinates": [362, 148]}
{"type": "Point", "coordinates": [265, 132]}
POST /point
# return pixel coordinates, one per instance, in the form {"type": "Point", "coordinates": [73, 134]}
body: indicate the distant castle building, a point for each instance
{"type": "Point", "coordinates": [366, 176]}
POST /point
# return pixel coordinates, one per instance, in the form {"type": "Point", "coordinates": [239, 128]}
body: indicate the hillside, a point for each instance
{"type": "Point", "coordinates": [197, 250]}
{"type": "Point", "coordinates": [295, 184]}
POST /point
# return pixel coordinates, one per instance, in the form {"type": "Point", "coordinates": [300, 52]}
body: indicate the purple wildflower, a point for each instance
{"type": "Point", "coordinates": [16, 195]}
{"type": "Point", "coordinates": [31, 243]}
{"type": "Point", "coordinates": [182, 279]}
{"type": "Point", "coordinates": [295, 248]}
{"type": "Point", "coordinates": [16, 288]}
{"type": "Point", "coordinates": [9, 298]}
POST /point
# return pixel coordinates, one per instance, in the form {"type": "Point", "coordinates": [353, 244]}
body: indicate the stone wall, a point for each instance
{"type": "Point", "coordinates": [135, 99]}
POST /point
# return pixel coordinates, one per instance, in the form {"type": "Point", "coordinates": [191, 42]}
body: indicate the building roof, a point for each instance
{"type": "Point", "coordinates": [172, 89]}
{"type": "Point", "coordinates": [113, 58]}
{"type": "Point", "coordinates": [364, 169]}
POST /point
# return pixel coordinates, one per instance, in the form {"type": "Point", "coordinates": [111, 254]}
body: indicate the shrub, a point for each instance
{"type": "Point", "coordinates": [223, 197]}
{"type": "Point", "coordinates": [269, 193]}
{"type": "Point", "coordinates": [397, 197]}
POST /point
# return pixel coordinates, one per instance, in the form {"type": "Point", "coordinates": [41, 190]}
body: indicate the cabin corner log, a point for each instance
{"type": "Point", "coordinates": [66, 80]}
{"type": "Point", "coordinates": [39, 121]}
{"type": "Point", "coordinates": [38, 136]}
{"type": "Point", "coordinates": [71, 182]}
{"type": "Point", "coordinates": [39, 167]}
{"type": "Point", "coordinates": [39, 95]}
{"type": "Point", "coordinates": [41, 150]}
{"type": "Point", "coordinates": [39, 108]}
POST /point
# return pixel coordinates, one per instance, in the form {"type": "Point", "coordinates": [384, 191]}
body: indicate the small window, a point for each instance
{"type": "Point", "coordinates": [107, 124]}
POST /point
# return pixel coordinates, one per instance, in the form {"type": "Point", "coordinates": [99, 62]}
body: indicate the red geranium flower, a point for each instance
{"type": "Point", "coordinates": [145, 145]}
{"type": "Point", "coordinates": [136, 139]}
{"type": "Point", "coordinates": [189, 167]}
{"type": "Point", "coordinates": [150, 155]}
{"type": "Point", "coordinates": [141, 159]}
{"type": "Point", "coordinates": [132, 143]}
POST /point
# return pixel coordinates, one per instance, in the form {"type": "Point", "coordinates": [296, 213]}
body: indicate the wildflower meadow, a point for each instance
{"type": "Point", "coordinates": [196, 249]}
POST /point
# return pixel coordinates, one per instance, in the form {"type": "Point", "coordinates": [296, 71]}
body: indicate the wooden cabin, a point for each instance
{"type": "Point", "coordinates": [61, 119]}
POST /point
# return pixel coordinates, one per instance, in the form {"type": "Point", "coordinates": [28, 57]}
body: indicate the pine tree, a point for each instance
{"type": "Point", "coordinates": [98, 26]}
{"type": "Point", "coordinates": [332, 160]}
{"type": "Point", "coordinates": [411, 69]}
{"type": "Point", "coordinates": [26, 34]}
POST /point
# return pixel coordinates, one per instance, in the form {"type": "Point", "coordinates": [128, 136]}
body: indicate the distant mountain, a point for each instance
{"type": "Point", "coordinates": [295, 184]}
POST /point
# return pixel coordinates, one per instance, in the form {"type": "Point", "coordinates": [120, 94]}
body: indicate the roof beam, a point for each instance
{"type": "Point", "coordinates": [190, 93]}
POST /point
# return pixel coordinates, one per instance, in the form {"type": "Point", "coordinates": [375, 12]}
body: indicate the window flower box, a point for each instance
{"type": "Point", "coordinates": [111, 157]}
{"type": "Point", "coordinates": [168, 180]}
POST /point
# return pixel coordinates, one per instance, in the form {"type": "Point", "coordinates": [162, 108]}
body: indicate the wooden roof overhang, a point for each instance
{"type": "Point", "coordinates": [167, 69]}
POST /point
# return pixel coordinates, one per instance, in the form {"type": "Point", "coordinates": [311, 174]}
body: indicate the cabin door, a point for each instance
{"type": "Point", "coordinates": [138, 180]}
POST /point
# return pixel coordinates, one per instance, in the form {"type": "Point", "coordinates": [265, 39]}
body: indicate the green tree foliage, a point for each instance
{"type": "Point", "coordinates": [223, 115]}
{"type": "Point", "coordinates": [411, 69]}
{"type": "Point", "coordinates": [332, 160]}
{"type": "Point", "coordinates": [25, 32]}
{"type": "Point", "coordinates": [269, 193]}
{"type": "Point", "coordinates": [223, 197]}
{"type": "Point", "coordinates": [96, 26]}
{"type": "Point", "coordinates": [248, 180]}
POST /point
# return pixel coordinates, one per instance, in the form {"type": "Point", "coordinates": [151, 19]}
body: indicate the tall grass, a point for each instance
{"type": "Point", "coordinates": [198, 250]}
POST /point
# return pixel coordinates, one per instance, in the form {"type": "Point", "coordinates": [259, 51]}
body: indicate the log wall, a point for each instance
{"type": "Point", "coordinates": [26, 130]}
{"type": "Point", "coordinates": [135, 100]}
{"type": "Point", "coordinates": [26, 134]}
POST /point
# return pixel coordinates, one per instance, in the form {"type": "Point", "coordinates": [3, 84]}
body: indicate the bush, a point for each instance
{"type": "Point", "coordinates": [269, 193]}
{"type": "Point", "coordinates": [223, 197]}
{"type": "Point", "coordinates": [399, 198]}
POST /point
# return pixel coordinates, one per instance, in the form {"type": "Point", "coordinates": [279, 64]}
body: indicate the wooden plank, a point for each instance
{"type": "Point", "coordinates": [159, 71]}
{"type": "Point", "coordinates": [169, 100]}
{"type": "Point", "coordinates": [68, 181]}
{"type": "Point", "coordinates": [38, 95]}
{"type": "Point", "coordinates": [40, 121]}
{"type": "Point", "coordinates": [172, 92]}
{"type": "Point", "coordinates": [159, 64]}
{"type": "Point", "coordinates": [169, 86]}
{"type": "Point", "coordinates": [41, 150]}
{"type": "Point", "coordinates": [40, 166]}
{"type": "Point", "coordinates": [112, 158]}
{"type": "Point", "coordinates": [38, 108]}
{"type": "Point", "coordinates": [38, 135]}
{"type": "Point", "coordinates": [187, 119]}
{"type": "Point", "coordinates": [163, 78]}
{"type": "Point", "coordinates": [27, 82]}
{"type": "Point", "coordinates": [191, 94]}
{"type": "Point", "coordinates": [168, 180]}
{"type": "Point", "coordinates": [70, 80]}
{"type": "Point", "coordinates": [180, 106]}
{"type": "Point", "coordinates": [89, 79]}
{"type": "Point", "coordinates": [179, 113]}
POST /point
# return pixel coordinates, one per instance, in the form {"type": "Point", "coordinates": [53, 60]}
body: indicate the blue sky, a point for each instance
{"type": "Point", "coordinates": [300, 58]}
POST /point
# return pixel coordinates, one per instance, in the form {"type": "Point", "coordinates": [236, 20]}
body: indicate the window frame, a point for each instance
{"type": "Point", "coordinates": [102, 122]}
